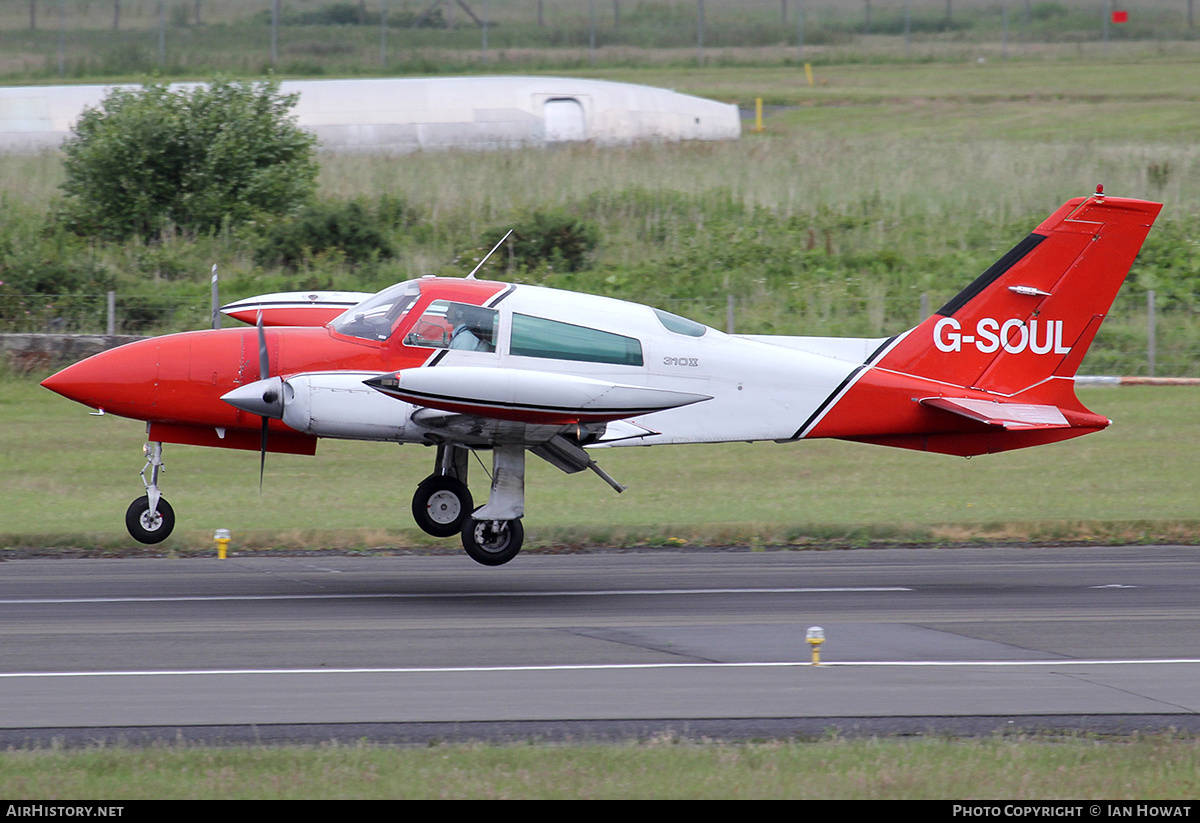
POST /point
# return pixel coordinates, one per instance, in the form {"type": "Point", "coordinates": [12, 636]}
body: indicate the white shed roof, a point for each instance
{"type": "Point", "coordinates": [408, 114]}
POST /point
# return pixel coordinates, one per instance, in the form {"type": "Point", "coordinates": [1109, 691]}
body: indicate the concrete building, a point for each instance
{"type": "Point", "coordinates": [410, 114]}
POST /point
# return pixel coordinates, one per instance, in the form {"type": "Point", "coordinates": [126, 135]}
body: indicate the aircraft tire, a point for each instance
{"type": "Point", "coordinates": [492, 542]}
{"type": "Point", "coordinates": [143, 526]}
{"type": "Point", "coordinates": [441, 505]}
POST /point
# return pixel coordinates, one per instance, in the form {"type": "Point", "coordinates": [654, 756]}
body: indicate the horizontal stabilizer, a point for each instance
{"type": "Point", "coordinates": [1009, 416]}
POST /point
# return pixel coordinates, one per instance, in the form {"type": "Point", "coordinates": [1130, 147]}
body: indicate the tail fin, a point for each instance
{"type": "Point", "coordinates": [1033, 313]}
{"type": "Point", "coordinates": [993, 369]}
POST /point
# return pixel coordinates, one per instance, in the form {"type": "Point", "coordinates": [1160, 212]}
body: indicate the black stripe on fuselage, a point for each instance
{"type": "Point", "coordinates": [495, 301]}
{"type": "Point", "coordinates": [841, 387]}
{"type": "Point", "coordinates": [993, 273]}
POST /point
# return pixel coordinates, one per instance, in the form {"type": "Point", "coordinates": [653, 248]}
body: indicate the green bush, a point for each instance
{"type": "Point", "coordinates": [359, 233]}
{"type": "Point", "coordinates": [195, 159]}
{"type": "Point", "coordinates": [556, 241]}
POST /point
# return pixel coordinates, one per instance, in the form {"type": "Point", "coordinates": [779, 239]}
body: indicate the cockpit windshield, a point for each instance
{"type": "Point", "coordinates": [377, 317]}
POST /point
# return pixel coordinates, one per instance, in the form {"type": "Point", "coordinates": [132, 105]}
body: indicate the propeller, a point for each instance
{"type": "Point", "coordinates": [265, 397]}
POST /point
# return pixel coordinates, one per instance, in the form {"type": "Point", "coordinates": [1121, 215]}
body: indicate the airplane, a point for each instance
{"type": "Point", "coordinates": [468, 365]}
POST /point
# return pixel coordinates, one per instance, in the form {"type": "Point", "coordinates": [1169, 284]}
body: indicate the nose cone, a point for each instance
{"type": "Point", "coordinates": [118, 381]}
{"type": "Point", "coordinates": [178, 378]}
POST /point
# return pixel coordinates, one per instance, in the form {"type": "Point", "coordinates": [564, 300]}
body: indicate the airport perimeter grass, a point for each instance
{"type": "Point", "coordinates": [67, 478]}
{"type": "Point", "coordinates": [1014, 769]}
{"type": "Point", "coordinates": [956, 145]}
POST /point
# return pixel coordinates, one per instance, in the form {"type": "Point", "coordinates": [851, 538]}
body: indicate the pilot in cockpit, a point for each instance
{"type": "Point", "coordinates": [472, 327]}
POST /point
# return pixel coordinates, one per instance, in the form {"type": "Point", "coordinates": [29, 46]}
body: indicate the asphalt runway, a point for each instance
{"type": "Point", "coordinates": [603, 645]}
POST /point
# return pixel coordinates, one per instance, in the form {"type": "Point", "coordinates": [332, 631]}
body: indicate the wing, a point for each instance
{"type": "Point", "coordinates": [295, 308]}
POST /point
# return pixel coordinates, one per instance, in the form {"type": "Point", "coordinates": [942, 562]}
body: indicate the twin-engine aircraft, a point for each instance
{"type": "Point", "coordinates": [470, 365]}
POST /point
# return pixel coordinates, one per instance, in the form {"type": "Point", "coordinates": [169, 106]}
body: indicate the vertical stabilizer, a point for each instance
{"type": "Point", "coordinates": [1034, 312]}
{"type": "Point", "coordinates": [993, 369]}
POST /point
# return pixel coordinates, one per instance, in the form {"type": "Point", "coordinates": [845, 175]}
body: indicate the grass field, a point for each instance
{"type": "Point", "coordinates": [1014, 769]}
{"type": "Point", "coordinates": [1134, 482]}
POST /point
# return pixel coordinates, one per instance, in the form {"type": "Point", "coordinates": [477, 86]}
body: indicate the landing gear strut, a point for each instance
{"type": "Point", "coordinates": [150, 519]}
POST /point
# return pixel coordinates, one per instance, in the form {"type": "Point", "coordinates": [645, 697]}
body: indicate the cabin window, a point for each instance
{"type": "Point", "coordinates": [539, 337]}
{"type": "Point", "coordinates": [680, 325]}
{"type": "Point", "coordinates": [447, 325]}
{"type": "Point", "coordinates": [377, 317]}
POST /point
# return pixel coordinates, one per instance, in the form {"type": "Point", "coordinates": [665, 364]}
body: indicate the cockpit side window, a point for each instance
{"type": "Point", "coordinates": [680, 325]}
{"type": "Point", "coordinates": [448, 325]}
{"type": "Point", "coordinates": [539, 337]}
{"type": "Point", "coordinates": [377, 317]}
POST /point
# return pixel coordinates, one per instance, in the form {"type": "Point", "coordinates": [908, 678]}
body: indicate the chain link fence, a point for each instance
{"type": "Point", "coordinates": [76, 38]}
{"type": "Point", "coordinates": [1137, 338]}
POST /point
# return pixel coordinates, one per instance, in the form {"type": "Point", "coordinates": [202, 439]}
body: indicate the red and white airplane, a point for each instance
{"type": "Point", "coordinates": [466, 364]}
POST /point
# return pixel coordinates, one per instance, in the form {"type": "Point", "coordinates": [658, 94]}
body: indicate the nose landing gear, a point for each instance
{"type": "Point", "coordinates": [150, 519]}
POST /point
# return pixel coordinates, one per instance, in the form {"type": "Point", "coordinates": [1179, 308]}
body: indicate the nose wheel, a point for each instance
{"type": "Point", "coordinates": [148, 525]}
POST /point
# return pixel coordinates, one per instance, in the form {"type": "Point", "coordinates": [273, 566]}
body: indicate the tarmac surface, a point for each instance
{"type": "Point", "coordinates": [605, 645]}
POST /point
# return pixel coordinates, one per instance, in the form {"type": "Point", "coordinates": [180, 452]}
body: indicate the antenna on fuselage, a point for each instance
{"type": "Point", "coordinates": [471, 276]}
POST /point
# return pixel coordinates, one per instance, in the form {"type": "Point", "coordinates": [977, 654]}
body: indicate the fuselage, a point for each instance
{"type": "Point", "coordinates": [753, 389]}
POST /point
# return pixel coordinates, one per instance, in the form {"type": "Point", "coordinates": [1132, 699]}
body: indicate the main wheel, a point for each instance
{"type": "Point", "coordinates": [441, 505]}
{"type": "Point", "coordinates": [492, 542]}
{"type": "Point", "coordinates": [146, 526]}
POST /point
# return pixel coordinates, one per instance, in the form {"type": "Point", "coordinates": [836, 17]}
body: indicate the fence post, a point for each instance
{"type": "Point", "coordinates": [799, 27]}
{"type": "Point", "coordinates": [112, 313]}
{"type": "Point", "coordinates": [383, 10]}
{"type": "Point", "coordinates": [729, 314]}
{"type": "Point", "coordinates": [1151, 331]}
{"type": "Point", "coordinates": [592, 31]}
{"type": "Point", "coordinates": [216, 300]}
{"type": "Point", "coordinates": [274, 31]}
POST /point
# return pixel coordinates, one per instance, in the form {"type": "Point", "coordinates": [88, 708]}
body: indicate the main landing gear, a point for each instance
{"type": "Point", "coordinates": [150, 519]}
{"type": "Point", "coordinates": [442, 506]}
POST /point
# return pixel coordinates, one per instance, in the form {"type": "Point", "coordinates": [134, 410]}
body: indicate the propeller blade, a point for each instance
{"type": "Point", "coordinates": [264, 363]}
{"type": "Point", "coordinates": [262, 454]}
{"type": "Point", "coordinates": [264, 371]}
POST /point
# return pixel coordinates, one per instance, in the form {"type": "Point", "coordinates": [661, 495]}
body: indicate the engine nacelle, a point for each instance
{"type": "Point", "coordinates": [340, 405]}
